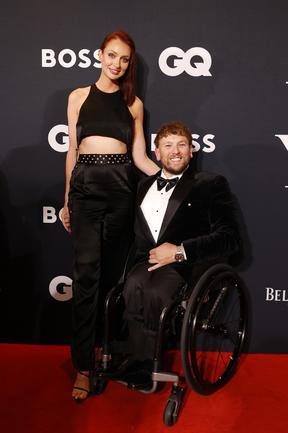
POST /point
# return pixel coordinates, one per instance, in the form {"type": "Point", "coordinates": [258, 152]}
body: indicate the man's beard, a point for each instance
{"type": "Point", "coordinates": [175, 170]}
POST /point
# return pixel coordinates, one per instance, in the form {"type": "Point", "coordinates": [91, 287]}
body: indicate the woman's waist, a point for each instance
{"type": "Point", "coordinates": [102, 145]}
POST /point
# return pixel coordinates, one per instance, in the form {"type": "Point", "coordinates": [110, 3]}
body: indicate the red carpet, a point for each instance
{"type": "Point", "coordinates": [36, 386]}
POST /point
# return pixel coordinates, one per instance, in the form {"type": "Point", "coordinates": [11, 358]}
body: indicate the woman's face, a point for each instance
{"type": "Point", "coordinates": [115, 59]}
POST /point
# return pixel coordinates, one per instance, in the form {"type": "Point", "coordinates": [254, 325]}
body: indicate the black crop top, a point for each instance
{"type": "Point", "coordinates": [105, 114]}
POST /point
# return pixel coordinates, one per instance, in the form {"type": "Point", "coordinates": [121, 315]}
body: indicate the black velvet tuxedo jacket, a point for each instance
{"type": "Point", "coordinates": [200, 214]}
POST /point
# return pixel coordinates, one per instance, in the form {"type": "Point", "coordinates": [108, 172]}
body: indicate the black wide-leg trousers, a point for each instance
{"type": "Point", "coordinates": [146, 293]}
{"type": "Point", "coordinates": [101, 204]}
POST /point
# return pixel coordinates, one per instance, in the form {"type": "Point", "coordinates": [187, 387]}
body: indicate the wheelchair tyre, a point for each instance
{"type": "Point", "coordinates": [214, 328]}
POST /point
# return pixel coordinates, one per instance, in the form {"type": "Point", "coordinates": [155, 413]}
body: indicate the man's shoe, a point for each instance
{"type": "Point", "coordinates": [139, 380]}
{"type": "Point", "coordinates": [139, 376]}
{"type": "Point", "coordinates": [119, 372]}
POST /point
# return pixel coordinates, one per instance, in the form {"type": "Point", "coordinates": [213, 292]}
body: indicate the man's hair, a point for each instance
{"type": "Point", "coordinates": [173, 128]}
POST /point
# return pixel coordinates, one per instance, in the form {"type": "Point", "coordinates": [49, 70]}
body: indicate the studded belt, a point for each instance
{"type": "Point", "coordinates": [107, 158]}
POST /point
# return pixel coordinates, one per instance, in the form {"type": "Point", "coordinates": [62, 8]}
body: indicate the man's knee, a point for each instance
{"type": "Point", "coordinates": [135, 279]}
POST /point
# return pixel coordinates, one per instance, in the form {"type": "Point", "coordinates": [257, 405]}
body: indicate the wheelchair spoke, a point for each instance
{"type": "Point", "coordinates": [220, 356]}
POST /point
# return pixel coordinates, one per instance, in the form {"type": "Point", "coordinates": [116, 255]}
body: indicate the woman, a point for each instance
{"type": "Point", "coordinates": [105, 123]}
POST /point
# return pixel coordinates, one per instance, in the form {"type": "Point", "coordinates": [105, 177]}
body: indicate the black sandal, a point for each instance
{"type": "Point", "coordinates": [82, 389]}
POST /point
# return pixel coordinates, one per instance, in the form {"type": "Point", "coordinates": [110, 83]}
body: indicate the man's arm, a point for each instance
{"type": "Point", "coordinates": [223, 239]}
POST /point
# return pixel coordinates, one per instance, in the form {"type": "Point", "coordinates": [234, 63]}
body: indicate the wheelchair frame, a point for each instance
{"type": "Point", "coordinates": [214, 329]}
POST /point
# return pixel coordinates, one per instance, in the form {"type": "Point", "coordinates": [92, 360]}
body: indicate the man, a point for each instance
{"type": "Point", "coordinates": [184, 222]}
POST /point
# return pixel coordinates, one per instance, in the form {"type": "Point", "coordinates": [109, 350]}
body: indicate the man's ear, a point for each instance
{"type": "Point", "coordinates": [157, 153]}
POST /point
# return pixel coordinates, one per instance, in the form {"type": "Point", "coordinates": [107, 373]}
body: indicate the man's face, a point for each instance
{"type": "Point", "coordinates": [175, 153]}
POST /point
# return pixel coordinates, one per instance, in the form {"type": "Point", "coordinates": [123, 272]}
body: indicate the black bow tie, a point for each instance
{"type": "Point", "coordinates": [169, 183]}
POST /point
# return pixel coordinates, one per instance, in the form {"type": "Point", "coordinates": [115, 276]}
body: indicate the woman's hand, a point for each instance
{"type": "Point", "coordinates": [66, 219]}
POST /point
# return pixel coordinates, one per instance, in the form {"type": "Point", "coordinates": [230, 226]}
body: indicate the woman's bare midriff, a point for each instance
{"type": "Point", "coordinates": [101, 145]}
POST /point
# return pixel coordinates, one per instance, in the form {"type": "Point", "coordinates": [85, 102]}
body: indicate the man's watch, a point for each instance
{"type": "Point", "coordinates": [179, 255]}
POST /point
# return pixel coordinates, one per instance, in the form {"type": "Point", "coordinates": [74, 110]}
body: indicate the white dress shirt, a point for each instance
{"type": "Point", "coordinates": [154, 205]}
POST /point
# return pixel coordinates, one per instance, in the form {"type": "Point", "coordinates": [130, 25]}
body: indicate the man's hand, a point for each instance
{"type": "Point", "coordinates": [162, 255]}
{"type": "Point", "coordinates": [66, 218]}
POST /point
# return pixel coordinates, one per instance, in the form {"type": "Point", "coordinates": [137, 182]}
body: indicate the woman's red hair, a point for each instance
{"type": "Point", "coordinates": [127, 83]}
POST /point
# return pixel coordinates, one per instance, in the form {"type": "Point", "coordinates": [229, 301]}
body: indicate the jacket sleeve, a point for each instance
{"type": "Point", "coordinates": [223, 239]}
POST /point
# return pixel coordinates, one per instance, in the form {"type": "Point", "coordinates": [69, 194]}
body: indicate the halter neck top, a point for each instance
{"type": "Point", "coordinates": [105, 114]}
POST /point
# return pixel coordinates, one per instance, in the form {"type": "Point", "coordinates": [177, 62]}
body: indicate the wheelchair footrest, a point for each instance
{"type": "Point", "coordinates": [163, 376]}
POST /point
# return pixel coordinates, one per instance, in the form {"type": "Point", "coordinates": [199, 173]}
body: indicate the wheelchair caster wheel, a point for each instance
{"type": "Point", "coordinates": [170, 413]}
{"type": "Point", "coordinates": [172, 408]}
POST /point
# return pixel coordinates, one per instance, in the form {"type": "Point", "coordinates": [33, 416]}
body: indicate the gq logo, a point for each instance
{"type": "Point", "coordinates": [60, 288]}
{"type": "Point", "coordinates": [58, 138]}
{"type": "Point", "coordinates": [174, 61]}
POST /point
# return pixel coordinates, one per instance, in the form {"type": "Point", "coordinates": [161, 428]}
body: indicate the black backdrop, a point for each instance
{"type": "Point", "coordinates": [223, 70]}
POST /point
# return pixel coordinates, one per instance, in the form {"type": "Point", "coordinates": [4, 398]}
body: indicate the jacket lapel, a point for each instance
{"type": "Point", "coordinates": [143, 188]}
{"type": "Point", "coordinates": [182, 189]}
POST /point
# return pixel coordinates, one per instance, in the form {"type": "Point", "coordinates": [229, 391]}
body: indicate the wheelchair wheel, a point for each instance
{"type": "Point", "coordinates": [173, 405]}
{"type": "Point", "coordinates": [169, 417]}
{"type": "Point", "coordinates": [213, 330]}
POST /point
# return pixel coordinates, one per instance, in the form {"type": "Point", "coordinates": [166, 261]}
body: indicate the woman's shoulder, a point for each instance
{"type": "Point", "coordinates": [138, 102]}
{"type": "Point", "coordinates": [137, 107]}
{"type": "Point", "coordinates": [78, 95]}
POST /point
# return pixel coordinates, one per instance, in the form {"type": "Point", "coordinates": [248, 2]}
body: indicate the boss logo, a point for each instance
{"type": "Point", "coordinates": [276, 295]}
{"type": "Point", "coordinates": [58, 138]}
{"type": "Point", "coordinates": [50, 215]}
{"type": "Point", "coordinates": [205, 143]}
{"type": "Point", "coordinates": [174, 61]}
{"type": "Point", "coordinates": [284, 139]}
{"type": "Point", "coordinates": [68, 58]}
{"type": "Point", "coordinates": [60, 288]}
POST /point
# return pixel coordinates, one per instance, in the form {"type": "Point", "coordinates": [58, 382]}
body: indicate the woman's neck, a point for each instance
{"type": "Point", "coordinates": [107, 85]}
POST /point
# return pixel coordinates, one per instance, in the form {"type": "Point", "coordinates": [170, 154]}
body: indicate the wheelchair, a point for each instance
{"type": "Point", "coordinates": [211, 322]}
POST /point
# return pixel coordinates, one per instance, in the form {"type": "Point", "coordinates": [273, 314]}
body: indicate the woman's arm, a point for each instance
{"type": "Point", "coordinates": [71, 158]}
{"type": "Point", "coordinates": [139, 154]}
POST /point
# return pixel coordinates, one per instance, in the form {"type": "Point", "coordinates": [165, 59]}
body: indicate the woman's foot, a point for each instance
{"type": "Point", "coordinates": [81, 388]}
